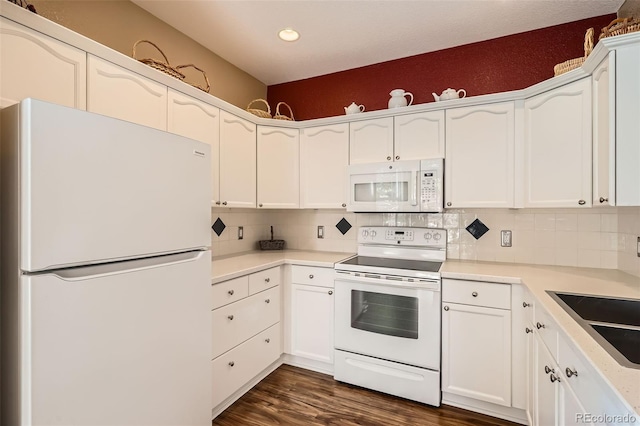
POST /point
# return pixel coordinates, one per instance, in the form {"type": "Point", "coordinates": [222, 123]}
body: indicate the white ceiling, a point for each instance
{"type": "Point", "coordinates": [337, 35]}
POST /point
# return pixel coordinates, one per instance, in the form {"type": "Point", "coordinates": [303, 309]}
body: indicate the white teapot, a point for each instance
{"type": "Point", "coordinates": [450, 94]}
{"type": "Point", "coordinates": [354, 109]}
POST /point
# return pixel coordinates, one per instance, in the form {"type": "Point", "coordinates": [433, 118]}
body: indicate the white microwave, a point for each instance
{"type": "Point", "coordinates": [401, 186]}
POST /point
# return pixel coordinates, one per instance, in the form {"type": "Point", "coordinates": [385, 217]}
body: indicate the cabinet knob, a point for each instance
{"type": "Point", "coordinates": [553, 378]}
{"type": "Point", "coordinates": [389, 158]}
{"type": "Point", "coordinates": [539, 326]}
{"type": "Point", "coordinates": [344, 204]}
{"type": "Point", "coordinates": [474, 294]}
{"type": "Point", "coordinates": [528, 330]}
{"type": "Point", "coordinates": [224, 203]}
{"type": "Point", "coordinates": [311, 276]}
{"type": "Point", "coordinates": [330, 292]}
{"type": "Point", "coordinates": [266, 280]}
{"type": "Point", "coordinates": [397, 157]}
{"type": "Point", "coordinates": [571, 372]}
{"type": "Point", "coordinates": [231, 292]}
{"type": "Point", "coordinates": [260, 205]}
{"type": "Point", "coordinates": [267, 340]}
{"type": "Point", "coordinates": [582, 202]}
{"type": "Point", "coordinates": [602, 199]}
{"type": "Point", "coordinates": [230, 317]}
{"type": "Point", "coordinates": [217, 203]}
{"type": "Point", "coordinates": [548, 370]}
{"type": "Point", "coordinates": [525, 304]}
{"type": "Point", "coordinates": [267, 301]}
{"type": "Point", "coordinates": [446, 308]}
{"type": "Point", "coordinates": [231, 363]}
{"type": "Point", "coordinates": [449, 204]}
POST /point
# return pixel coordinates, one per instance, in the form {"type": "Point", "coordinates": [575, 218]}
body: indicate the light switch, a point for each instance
{"type": "Point", "coordinates": [505, 238]}
{"type": "Point", "coordinates": [320, 231]}
{"type": "Point", "coordinates": [240, 232]}
{"type": "Point", "coordinates": [638, 246]}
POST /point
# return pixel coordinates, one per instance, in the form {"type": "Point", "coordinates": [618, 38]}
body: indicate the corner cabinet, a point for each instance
{"type": "Point", "coordinates": [324, 156]}
{"type": "Point", "coordinates": [33, 65]}
{"type": "Point", "coordinates": [278, 168]}
{"type": "Point", "coordinates": [480, 143]}
{"type": "Point", "coordinates": [237, 162]}
{"type": "Point", "coordinates": [557, 147]}
{"type": "Point", "coordinates": [120, 93]}
{"type": "Point", "coordinates": [197, 120]}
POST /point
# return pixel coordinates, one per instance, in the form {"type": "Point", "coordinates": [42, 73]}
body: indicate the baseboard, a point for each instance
{"type": "Point", "coordinates": [308, 364]}
{"type": "Point", "coordinates": [515, 415]}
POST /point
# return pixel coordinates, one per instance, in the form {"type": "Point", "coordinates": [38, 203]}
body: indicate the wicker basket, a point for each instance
{"type": "Point", "coordinates": [279, 116]}
{"type": "Point", "coordinates": [204, 74]}
{"type": "Point", "coordinates": [271, 244]}
{"type": "Point", "coordinates": [160, 66]}
{"type": "Point", "coordinates": [572, 64]}
{"type": "Point", "coordinates": [620, 26]}
{"type": "Point", "coordinates": [259, 112]}
{"type": "Point", "coordinates": [24, 4]}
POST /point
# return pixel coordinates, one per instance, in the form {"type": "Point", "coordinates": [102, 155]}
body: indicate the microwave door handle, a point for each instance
{"type": "Point", "coordinates": [413, 190]}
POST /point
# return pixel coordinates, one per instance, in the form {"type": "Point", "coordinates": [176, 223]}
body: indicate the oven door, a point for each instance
{"type": "Point", "coordinates": [385, 187]}
{"type": "Point", "coordinates": [389, 321]}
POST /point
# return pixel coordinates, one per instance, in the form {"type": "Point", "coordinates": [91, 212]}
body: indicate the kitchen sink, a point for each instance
{"type": "Point", "coordinates": [613, 322]}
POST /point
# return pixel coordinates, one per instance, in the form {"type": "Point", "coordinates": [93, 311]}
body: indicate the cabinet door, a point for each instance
{"type": "Point", "coordinates": [419, 136]}
{"type": "Point", "coordinates": [604, 135]}
{"type": "Point", "coordinates": [324, 156]}
{"type": "Point", "coordinates": [371, 141]}
{"type": "Point", "coordinates": [479, 169]}
{"type": "Point", "coordinates": [476, 352]}
{"type": "Point", "coordinates": [33, 65]}
{"type": "Point", "coordinates": [123, 94]}
{"type": "Point", "coordinates": [558, 147]}
{"type": "Point", "coordinates": [196, 120]}
{"type": "Point", "coordinates": [531, 370]}
{"type": "Point", "coordinates": [546, 392]}
{"type": "Point", "coordinates": [312, 322]}
{"type": "Point", "coordinates": [278, 168]}
{"type": "Point", "coordinates": [237, 161]}
{"type": "Point", "coordinates": [570, 411]}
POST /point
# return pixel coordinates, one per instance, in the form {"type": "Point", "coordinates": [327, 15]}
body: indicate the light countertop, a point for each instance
{"type": "Point", "coordinates": [536, 278]}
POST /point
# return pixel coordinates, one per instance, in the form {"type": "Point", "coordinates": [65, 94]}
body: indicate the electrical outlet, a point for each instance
{"type": "Point", "coordinates": [505, 238]}
{"type": "Point", "coordinates": [240, 232]}
{"type": "Point", "coordinates": [320, 231]}
{"type": "Point", "coordinates": [638, 246]}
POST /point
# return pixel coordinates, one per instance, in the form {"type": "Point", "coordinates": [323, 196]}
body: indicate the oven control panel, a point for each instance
{"type": "Point", "coordinates": [386, 235]}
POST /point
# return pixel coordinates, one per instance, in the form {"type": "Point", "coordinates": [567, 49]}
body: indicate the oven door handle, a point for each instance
{"type": "Point", "coordinates": [424, 284]}
{"type": "Point", "coordinates": [413, 188]}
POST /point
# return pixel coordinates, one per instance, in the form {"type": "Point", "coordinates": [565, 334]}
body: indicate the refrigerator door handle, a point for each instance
{"type": "Point", "coordinates": [123, 267]}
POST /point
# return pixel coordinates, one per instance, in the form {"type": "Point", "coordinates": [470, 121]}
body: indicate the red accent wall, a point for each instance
{"type": "Point", "coordinates": [507, 63]}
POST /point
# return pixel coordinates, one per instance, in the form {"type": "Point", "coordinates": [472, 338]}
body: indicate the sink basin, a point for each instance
{"type": "Point", "coordinates": [613, 322]}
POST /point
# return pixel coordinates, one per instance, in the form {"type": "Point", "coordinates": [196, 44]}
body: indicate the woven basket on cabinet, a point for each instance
{"type": "Point", "coordinates": [620, 26]}
{"type": "Point", "coordinates": [572, 64]}
{"type": "Point", "coordinates": [259, 112]}
{"type": "Point", "coordinates": [279, 116]}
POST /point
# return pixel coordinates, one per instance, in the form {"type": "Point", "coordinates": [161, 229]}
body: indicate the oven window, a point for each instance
{"type": "Point", "coordinates": [385, 313]}
{"type": "Point", "coordinates": [381, 191]}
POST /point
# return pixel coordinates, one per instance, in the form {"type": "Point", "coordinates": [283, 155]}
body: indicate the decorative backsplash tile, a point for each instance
{"type": "Point", "coordinates": [218, 226]}
{"type": "Point", "coordinates": [477, 229]}
{"type": "Point", "coordinates": [343, 226]}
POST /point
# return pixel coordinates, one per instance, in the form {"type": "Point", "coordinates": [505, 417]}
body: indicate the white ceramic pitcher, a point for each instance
{"type": "Point", "coordinates": [398, 98]}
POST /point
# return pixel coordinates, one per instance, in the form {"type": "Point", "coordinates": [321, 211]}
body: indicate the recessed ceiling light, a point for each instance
{"type": "Point", "coordinates": [288, 34]}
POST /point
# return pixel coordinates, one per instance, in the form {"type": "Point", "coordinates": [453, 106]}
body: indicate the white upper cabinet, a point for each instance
{"type": "Point", "coordinates": [33, 65]}
{"type": "Point", "coordinates": [479, 166]}
{"type": "Point", "coordinates": [123, 94]}
{"type": "Point", "coordinates": [557, 147]}
{"type": "Point", "coordinates": [278, 168]}
{"type": "Point", "coordinates": [371, 141]}
{"type": "Point", "coordinates": [197, 120]}
{"type": "Point", "coordinates": [237, 161]}
{"type": "Point", "coordinates": [419, 136]}
{"type": "Point", "coordinates": [324, 156]}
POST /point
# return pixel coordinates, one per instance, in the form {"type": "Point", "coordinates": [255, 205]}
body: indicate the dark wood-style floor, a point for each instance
{"type": "Point", "coordinates": [294, 396]}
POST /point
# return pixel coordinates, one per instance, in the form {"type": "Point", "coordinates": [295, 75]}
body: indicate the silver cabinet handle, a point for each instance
{"type": "Point", "coordinates": [344, 204]}
{"type": "Point", "coordinates": [217, 203]}
{"type": "Point", "coordinates": [330, 292]}
{"type": "Point", "coordinates": [582, 202]}
{"type": "Point", "coordinates": [446, 308]}
{"type": "Point", "coordinates": [528, 330]}
{"type": "Point", "coordinates": [525, 304]}
{"type": "Point", "coordinates": [474, 294]}
{"type": "Point", "coordinates": [231, 292]}
{"type": "Point", "coordinates": [548, 370]}
{"type": "Point", "coordinates": [231, 363]}
{"type": "Point", "coordinates": [397, 157]}
{"type": "Point", "coordinates": [553, 378]}
{"type": "Point", "coordinates": [571, 372]}
{"type": "Point", "coordinates": [224, 203]}
{"type": "Point", "coordinates": [230, 317]}
{"type": "Point", "coordinates": [260, 205]}
{"type": "Point", "coordinates": [539, 326]}
{"type": "Point", "coordinates": [267, 301]}
{"type": "Point", "coordinates": [389, 158]}
{"type": "Point", "coordinates": [266, 280]}
{"type": "Point", "coordinates": [602, 199]}
{"type": "Point", "coordinates": [449, 204]}
{"type": "Point", "coordinates": [267, 340]}
{"type": "Point", "coordinates": [311, 276]}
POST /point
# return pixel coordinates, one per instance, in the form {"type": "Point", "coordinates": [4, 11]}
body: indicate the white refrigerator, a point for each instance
{"type": "Point", "coordinates": [105, 271]}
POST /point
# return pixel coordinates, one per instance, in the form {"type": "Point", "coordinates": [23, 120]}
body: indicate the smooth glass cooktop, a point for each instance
{"type": "Point", "coordinates": [383, 262]}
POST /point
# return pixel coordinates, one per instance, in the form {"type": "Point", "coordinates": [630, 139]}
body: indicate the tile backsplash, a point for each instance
{"type": "Point", "coordinates": [600, 237]}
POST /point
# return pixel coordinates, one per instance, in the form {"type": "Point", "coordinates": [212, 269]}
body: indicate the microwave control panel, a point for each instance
{"type": "Point", "coordinates": [431, 186]}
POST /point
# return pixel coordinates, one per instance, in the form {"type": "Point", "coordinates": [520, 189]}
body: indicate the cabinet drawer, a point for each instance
{"type": "Point", "coordinates": [491, 295]}
{"type": "Point", "coordinates": [234, 369]}
{"type": "Point", "coordinates": [264, 279]}
{"type": "Point", "coordinates": [229, 291]}
{"type": "Point", "coordinates": [310, 275]}
{"type": "Point", "coordinates": [237, 322]}
{"type": "Point", "coordinates": [547, 330]}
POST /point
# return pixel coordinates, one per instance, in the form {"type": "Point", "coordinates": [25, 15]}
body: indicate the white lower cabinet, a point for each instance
{"type": "Point", "coordinates": [476, 344]}
{"type": "Point", "coordinates": [311, 314]}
